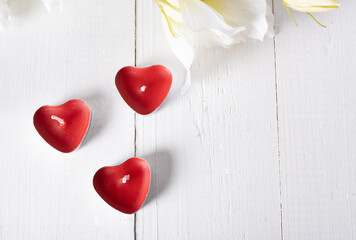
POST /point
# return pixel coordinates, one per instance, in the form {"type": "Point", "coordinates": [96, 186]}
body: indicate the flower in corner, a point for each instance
{"type": "Point", "coordinates": [5, 11]}
{"type": "Point", "coordinates": [310, 6]}
{"type": "Point", "coordinates": [211, 22]}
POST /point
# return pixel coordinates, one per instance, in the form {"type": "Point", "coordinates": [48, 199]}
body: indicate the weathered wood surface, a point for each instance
{"type": "Point", "coordinates": [262, 146]}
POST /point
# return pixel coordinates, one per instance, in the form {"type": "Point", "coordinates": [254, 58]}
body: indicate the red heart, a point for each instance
{"type": "Point", "coordinates": [124, 187]}
{"type": "Point", "coordinates": [64, 126]}
{"type": "Point", "coordinates": [144, 89]}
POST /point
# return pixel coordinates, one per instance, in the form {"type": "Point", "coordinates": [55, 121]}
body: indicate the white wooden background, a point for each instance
{"type": "Point", "coordinates": [263, 146]}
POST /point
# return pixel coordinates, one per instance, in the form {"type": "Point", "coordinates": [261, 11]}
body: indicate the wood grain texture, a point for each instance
{"type": "Point", "coordinates": [216, 171]}
{"type": "Point", "coordinates": [49, 59]}
{"type": "Point", "coordinates": [214, 151]}
{"type": "Point", "coordinates": [317, 118]}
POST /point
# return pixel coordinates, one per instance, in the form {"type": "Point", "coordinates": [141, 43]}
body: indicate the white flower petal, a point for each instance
{"type": "Point", "coordinates": [248, 13]}
{"type": "Point", "coordinates": [52, 5]}
{"type": "Point", "coordinates": [270, 21]}
{"type": "Point", "coordinates": [200, 17]}
{"type": "Point", "coordinates": [4, 14]}
{"type": "Point", "coordinates": [184, 53]}
{"type": "Point", "coordinates": [180, 48]}
{"type": "Point", "coordinates": [312, 5]}
{"type": "Point", "coordinates": [222, 22]}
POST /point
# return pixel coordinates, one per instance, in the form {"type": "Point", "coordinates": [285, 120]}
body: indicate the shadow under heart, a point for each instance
{"type": "Point", "coordinates": [161, 172]}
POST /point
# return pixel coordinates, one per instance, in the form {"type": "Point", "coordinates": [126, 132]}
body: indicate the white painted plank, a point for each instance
{"type": "Point", "coordinates": [213, 152]}
{"type": "Point", "coordinates": [316, 94]}
{"type": "Point", "coordinates": [49, 59]}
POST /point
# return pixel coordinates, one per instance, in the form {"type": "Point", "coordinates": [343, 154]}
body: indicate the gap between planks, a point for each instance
{"type": "Point", "coordinates": [277, 124]}
{"type": "Point", "coordinates": [278, 138]}
{"type": "Point", "coordinates": [135, 117]}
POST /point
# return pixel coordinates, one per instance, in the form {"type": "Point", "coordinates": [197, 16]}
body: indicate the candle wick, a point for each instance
{"type": "Point", "coordinates": [58, 119]}
{"type": "Point", "coordinates": [125, 178]}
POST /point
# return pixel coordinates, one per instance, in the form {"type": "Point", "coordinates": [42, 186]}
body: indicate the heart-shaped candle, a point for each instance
{"type": "Point", "coordinates": [124, 187]}
{"type": "Point", "coordinates": [144, 89]}
{"type": "Point", "coordinates": [64, 126]}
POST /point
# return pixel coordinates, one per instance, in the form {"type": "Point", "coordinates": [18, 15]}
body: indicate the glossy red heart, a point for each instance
{"type": "Point", "coordinates": [64, 126]}
{"type": "Point", "coordinates": [124, 187]}
{"type": "Point", "coordinates": [144, 89]}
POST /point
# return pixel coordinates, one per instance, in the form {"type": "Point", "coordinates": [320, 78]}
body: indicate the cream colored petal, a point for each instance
{"type": "Point", "coordinates": [184, 53]}
{"type": "Point", "coordinates": [200, 17]}
{"type": "Point", "coordinates": [312, 5]}
{"type": "Point", "coordinates": [53, 5]}
{"type": "Point", "coordinates": [270, 22]}
{"type": "Point", "coordinates": [4, 14]}
{"type": "Point", "coordinates": [248, 13]}
{"type": "Point", "coordinates": [218, 22]}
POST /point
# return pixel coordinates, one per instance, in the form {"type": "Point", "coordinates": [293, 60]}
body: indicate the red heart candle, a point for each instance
{"type": "Point", "coordinates": [144, 89]}
{"type": "Point", "coordinates": [124, 187]}
{"type": "Point", "coordinates": [64, 126]}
